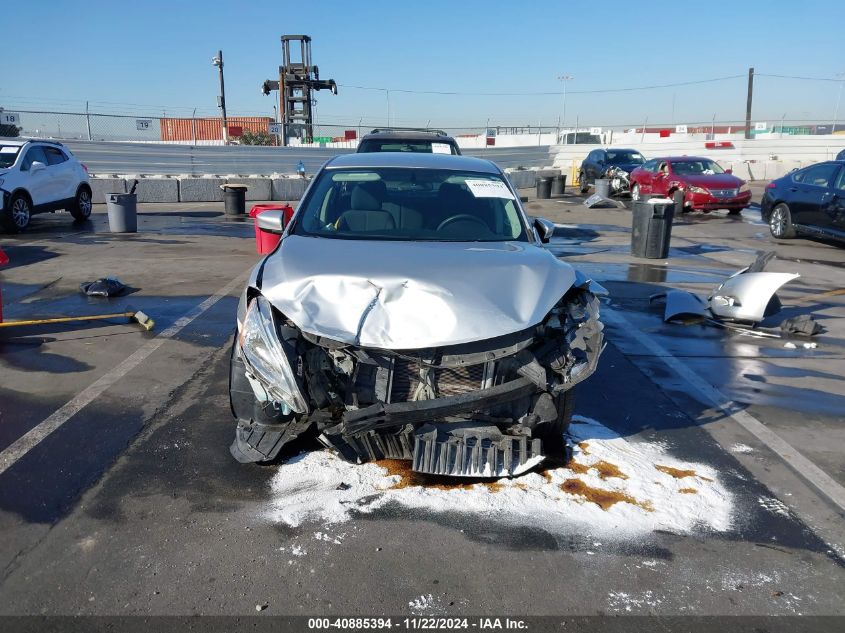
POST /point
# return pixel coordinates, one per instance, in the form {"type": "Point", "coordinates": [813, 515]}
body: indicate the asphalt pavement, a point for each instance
{"type": "Point", "coordinates": [132, 505]}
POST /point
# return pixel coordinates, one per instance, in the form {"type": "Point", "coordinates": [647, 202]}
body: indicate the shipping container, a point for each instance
{"type": "Point", "coordinates": [210, 129]}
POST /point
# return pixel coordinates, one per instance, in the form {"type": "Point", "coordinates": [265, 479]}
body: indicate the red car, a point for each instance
{"type": "Point", "coordinates": [704, 184]}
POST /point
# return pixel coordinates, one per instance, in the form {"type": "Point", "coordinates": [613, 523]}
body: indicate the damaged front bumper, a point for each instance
{"type": "Point", "coordinates": [484, 409]}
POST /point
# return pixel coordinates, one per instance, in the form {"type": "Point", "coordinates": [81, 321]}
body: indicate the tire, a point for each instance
{"type": "Point", "coordinates": [17, 217]}
{"type": "Point", "coordinates": [635, 192]}
{"type": "Point", "coordinates": [734, 211]}
{"type": "Point", "coordinates": [780, 223]}
{"type": "Point", "coordinates": [81, 209]}
{"type": "Point", "coordinates": [582, 182]}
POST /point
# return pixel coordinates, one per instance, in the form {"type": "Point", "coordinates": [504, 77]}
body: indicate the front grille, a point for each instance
{"type": "Point", "coordinates": [448, 382]}
{"type": "Point", "coordinates": [724, 193]}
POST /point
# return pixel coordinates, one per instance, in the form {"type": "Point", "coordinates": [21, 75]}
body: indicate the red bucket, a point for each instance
{"type": "Point", "coordinates": [266, 242]}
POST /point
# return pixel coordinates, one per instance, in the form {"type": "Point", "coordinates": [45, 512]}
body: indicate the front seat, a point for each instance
{"type": "Point", "coordinates": [366, 214]}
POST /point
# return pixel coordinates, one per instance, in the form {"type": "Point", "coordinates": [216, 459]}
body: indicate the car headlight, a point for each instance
{"type": "Point", "coordinates": [744, 188]}
{"type": "Point", "coordinates": [693, 189]}
{"type": "Point", "coordinates": [265, 357]}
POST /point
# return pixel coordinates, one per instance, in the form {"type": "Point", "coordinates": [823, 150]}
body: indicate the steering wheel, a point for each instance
{"type": "Point", "coordinates": [462, 217]}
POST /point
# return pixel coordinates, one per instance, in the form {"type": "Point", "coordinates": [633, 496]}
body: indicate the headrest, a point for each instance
{"type": "Point", "coordinates": [368, 196]}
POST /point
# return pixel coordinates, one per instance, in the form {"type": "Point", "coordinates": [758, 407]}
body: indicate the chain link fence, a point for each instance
{"type": "Point", "coordinates": [257, 130]}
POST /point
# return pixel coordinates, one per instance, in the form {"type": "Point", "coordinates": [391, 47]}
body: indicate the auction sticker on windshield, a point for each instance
{"type": "Point", "coordinates": [441, 148]}
{"type": "Point", "coordinates": [488, 188]}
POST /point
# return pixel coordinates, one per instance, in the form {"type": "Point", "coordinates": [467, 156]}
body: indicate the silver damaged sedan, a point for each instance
{"type": "Point", "coordinates": [412, 312]}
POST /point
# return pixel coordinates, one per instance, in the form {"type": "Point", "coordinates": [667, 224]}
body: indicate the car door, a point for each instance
{"type": "Point", "coordinates": [61, 173]}
{"type": "Point", "coordinates": [660, 179]}
{"type": "Point", "coordinates": [37, 182]}
{"type": "Point", "coordinates": [597, 164]}
{"type": "Point", "coordinates": [834, 207]}
{"type": "Point", "coordinates": [810, 190]}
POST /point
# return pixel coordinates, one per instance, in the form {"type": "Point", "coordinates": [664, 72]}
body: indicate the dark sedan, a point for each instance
{"type": "Point", "coordinates": [809, 201]}
{"type": "Point", "coordinates": [597, 162]}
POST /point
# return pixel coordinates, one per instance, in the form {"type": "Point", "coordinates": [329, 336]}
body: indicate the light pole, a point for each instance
{"type": "Point", "coordinates": [218, 61]}
{"type": "Point", "coordinates": [564, 79]}
{"type": "Point", "coordinates": [838, 99]}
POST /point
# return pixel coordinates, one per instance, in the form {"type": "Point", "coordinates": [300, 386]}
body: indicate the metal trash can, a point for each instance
{"type": "Point", "coordinates": [123, 212]}
{"type": "Point", "coordinates": [651, 229]}
{"type": "Point", "coordinates": [603, 187]}
{"type": "Point", "coordinates": [234, 199]}
{"type": "Point", "coordinates": [559, 185]}
{"type": "Point", "coordinates": [544, 188]}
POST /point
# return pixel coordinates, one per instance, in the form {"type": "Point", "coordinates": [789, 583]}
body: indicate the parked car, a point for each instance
{"type": "Point", "coordinates": [411, 312]}
{"type": "Point", "coordinates": [705, 186]}
{"type": "Point", "coordinates": [841, 155]}
{"type": "Point", "coordinates": [39, 176]}
{"type": "Point", "coordinates": [409, 140]}
{"type": "Point", "coordinates": [599, 161]}
{"type": "Point", "coordinates": [807, 201]}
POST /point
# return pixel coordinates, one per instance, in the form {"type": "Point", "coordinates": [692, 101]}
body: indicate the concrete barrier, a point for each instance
{"type": "Point", "coordinates": [289, 188]}
{"type": "Point", "coordinates": [155, 189]}
{"type": "Point", "coordinates": [527, 178]}
{"type": "Point", "coordinates": [200, 189]}
{"type": "Point", "coordinates": [257, 188]}
{"type": "Point", "coordinates": [100, 187]}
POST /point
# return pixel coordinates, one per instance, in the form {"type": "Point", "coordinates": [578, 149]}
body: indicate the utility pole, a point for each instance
{"type": "Point", "coordinates": [838, 99]}
{"type": "Point", "coordinates": [88, 121]}
{"type": "Point", "coordinates": [218, 61]}
{"type": "Point", "coordinates": [564, 79]}
{"type": "Point", "coordinates": [748, 103]}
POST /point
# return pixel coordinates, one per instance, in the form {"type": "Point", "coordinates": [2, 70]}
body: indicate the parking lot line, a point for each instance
{"type": "Point", "coordinates": [34, 436]}
{"type": "Point", "coordinates": [803, 466]}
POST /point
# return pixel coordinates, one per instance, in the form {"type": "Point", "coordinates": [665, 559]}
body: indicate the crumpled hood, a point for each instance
{"type": "Point", "coordinates": [412, 295]}
{"type": "Point", "coordinates": [713, 181]}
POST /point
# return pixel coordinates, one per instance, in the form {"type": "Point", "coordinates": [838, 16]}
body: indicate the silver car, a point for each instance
{"type": "Point", "coordinates": [412, 312]}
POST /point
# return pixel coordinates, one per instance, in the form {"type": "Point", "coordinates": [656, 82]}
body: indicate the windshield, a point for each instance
{"type": "Point", "coordinates": [396, 145]}
{"type": "Point", "coordinates": [696, 167]}
{"type": "Point", "coordinates": [8, 155]}
{"type": "Point", "coordinates": [624, 158]}
{"type": "Point", "coordinates": [410, 204]}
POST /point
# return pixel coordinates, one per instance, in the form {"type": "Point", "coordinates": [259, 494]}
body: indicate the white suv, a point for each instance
{"type": "Point", "coordinates": [38, 176]}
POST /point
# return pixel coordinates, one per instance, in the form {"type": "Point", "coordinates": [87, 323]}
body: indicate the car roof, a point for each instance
{"type": "Point", "coordinates": [680, 159]}
{"type": "Point", "coordinates": [410, 135]}
{"type": "Point", "coordinates": [622, 149]}
{"type": "Point", "coordinates": [416, 160]}
{"type": "Point", "coordinates": [23, 141]}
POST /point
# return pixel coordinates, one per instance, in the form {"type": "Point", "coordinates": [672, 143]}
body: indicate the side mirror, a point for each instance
{"type": "Point", "coordinates": [545, 229]}
{"type": "Point", "coordinates": [524, 199]}
{"type": "Point", "coordinates": [37, 166]}
{"type": "Point", "coordinates": [729, 171]}
{"type": "Point", "coordinates": [272, 221]}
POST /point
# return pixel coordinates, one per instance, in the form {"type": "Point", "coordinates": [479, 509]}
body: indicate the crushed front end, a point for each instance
{"type": "Point", "coordinates": [489, 408]}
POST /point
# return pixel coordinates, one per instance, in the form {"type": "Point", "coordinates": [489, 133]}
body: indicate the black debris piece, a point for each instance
{"type": "Point", "coordinates": [803, 324]}
{"type": "Point", "coordinates": [103, 287]}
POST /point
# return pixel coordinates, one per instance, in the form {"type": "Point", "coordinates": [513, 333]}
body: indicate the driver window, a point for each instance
{"type": "Point", "coordinates": [840, 180]}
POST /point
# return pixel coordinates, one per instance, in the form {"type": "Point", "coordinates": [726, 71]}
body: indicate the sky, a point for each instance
{"type": "Point", "coordinates": [154, 57]}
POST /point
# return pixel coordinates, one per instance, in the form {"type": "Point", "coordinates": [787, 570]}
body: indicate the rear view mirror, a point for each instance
{"type": "Point", "coordinates": [37, 166]}
{"type": "Point", "coordinates": [545, 229]}
{"type": "Point", "coordinates": [272, 221]}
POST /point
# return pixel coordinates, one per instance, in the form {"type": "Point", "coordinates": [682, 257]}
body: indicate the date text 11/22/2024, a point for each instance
{"type": "Point", "coordinates": [417, 623]}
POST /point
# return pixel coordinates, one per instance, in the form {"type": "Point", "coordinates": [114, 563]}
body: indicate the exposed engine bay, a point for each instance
{"type": "Point", "coordinates": [487, 408]}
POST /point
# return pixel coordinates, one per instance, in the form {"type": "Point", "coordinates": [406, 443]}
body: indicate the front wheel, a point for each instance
{"type": "Point", "coordinates": [81, 209]}
{"type": "Point", "coordinates": [780, 223]}
{"type": "Point", "coordinates": [734, 211]}
{"type": "Point", "coordinates": [16, 218]}
{"type": "Point", "coordinates": [582, 182]}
